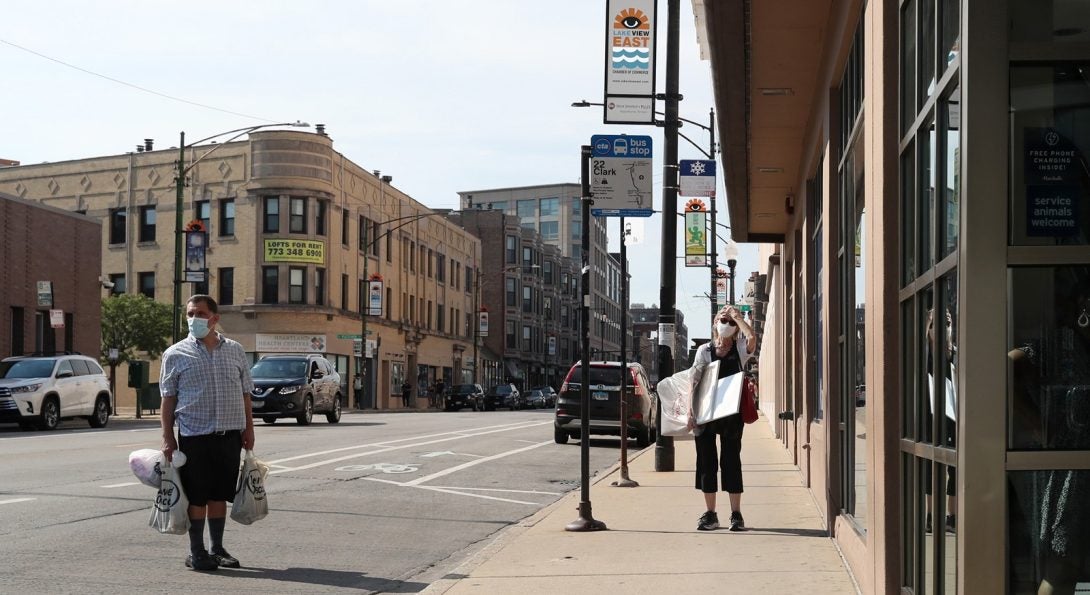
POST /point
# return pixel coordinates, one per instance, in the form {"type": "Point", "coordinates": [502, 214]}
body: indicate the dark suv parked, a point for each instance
{"type": "Point", "coordinates": [502, 395]}
{"type": "Point", "coordinates": [605, 403]}
{"type": "Point", "coordinates": [464, 395]}
{"type": "Point", "coordinates": [296, 386]}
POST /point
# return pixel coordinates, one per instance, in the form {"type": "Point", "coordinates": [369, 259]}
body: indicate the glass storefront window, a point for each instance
{"type": "Point", "coordinates": [1049, 21]}
{"type": "Point", "coordinates": [924, 419]}
{"type": "Point", "coordinates": [1048, 531]}
{"type": "Point", "coordinates": [927, 50]}
{"type": "Point", "coordinates": [1049, 400]}
{"type": "Point", "coordinates": [951, 192]}
{"type": "Point", "coordinates": [908, 64]}
{"type": "Point", "coordinates": [908, 215]}
{"type": "Point", "coordinates": [948, 364]}
{"type": "Point", "coordinates": [951, 30]}
{"type": "Point", "coordinates": [926, 200]}
{"type": "Point", "coordinates": [1050, 137]}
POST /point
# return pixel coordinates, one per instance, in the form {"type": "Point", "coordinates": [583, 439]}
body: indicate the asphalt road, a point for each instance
{"type": "Point", "coordinates": [385, 502]}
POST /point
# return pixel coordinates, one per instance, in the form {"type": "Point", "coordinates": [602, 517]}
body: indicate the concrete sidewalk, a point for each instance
{"type": "Point", "coordinates": [652, 545]}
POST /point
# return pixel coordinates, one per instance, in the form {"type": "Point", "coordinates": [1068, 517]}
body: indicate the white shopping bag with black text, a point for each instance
{"type": "Point", "coordinates": [251, 503]}
{"type": "Point", "coordinates": [675, 395]}
{"type": "Point", "coordinates": [170, 514]}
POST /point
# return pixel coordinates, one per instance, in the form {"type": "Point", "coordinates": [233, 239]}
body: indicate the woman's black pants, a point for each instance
{"type": "Point", "coordinates": [728, 462]}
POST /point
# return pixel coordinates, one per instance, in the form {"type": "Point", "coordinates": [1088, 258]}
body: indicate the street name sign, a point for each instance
{"type": "Point", "coordinates": [621, 175]}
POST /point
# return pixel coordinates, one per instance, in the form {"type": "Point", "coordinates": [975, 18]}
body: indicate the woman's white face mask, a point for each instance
{"type": "Point", "coordinates": [725, 330]}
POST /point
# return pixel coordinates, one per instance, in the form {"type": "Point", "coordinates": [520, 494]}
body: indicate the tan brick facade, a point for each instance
{"type": "Point", "coordinates": [234, 188]}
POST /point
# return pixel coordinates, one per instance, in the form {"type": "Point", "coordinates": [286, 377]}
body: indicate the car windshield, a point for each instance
{"type": "Point", "coordinates": [27, 368]}
{"type": "Point", "coordinates": [279, 368]}
{"type": "Point", "coordinates": [503, 389]}
{"type": "Point", "coordinates": [463, 389]}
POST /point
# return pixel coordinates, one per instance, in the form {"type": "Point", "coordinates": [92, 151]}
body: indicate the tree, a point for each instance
{"type": "Point", "coordinates": [132, 323]}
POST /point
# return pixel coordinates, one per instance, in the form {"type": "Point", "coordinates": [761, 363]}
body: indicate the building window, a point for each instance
{"type": "Point", "coordinates": [455, 273]}
{"type": "Point", "coordinates": [147, 224]}
{"type": "Point", "coordinates": [431, 257]}
{"type": "Point", "coordinates": [297, 289]}
{"type": "Point", "coordinates": [226, 278]}
{"type": "Point", "coordinates": [344, 293]}
{"type": "Point", "coordinates": [272, 214]}
{"type": "Point", "coordinates": [511, 343]}
{"type": "Point", "coordinates": [297, 217]}
{"type": "Point", "coordinates": [549, 230]}
{"type": "Point", "coordinates": [319, 287]}
{"type": "Point", "coordinates": [550, 207]}
{"type": "Point", "coordinates": [548, 271]}
{"type": "Point", "coordinates": [440, 267]}
{"type": "Point", "coordinates": [527, 209]}
{"type": "Point", "coordinates": [389, 303]}
{"type": "Point", "coordinates": [428, 314]}
{"type": "Point", "coordinates": [227, 217]}
{"type": "Point", "coordinates": [147, 284]}
{"type": "Point", "coordinates": [118, 279]}
{"type": "Point", "coordinates": [412, 256]}
{"type": "Point", "coordinates": [270, 285]}
{"type": "Point", "coordinates": [526, 345]}
{"type": "Point", "coordinates": [374, 245]}
{"type": "Point", "coordinates": [527, 299]}
{"type": "Point", "coordinates": [203, 211]}
{"type": "Point", "coordinates": [17, 325]}
{"type": "Point", "coordinates": [344, 227]}
{"type": "Point", "coordinates": [510, 253]}
{"type": "Point", "coordinates": [320, 207]}
{"type": "Point", "coordinates": [509, 288]}
{"type": "Point", "coordinates": [929, 224]}
{"type": "Point", "coordinates": [118, 223]}
{"type": "Point", "coordinates": [469, 279]}
{"type": "Point", "coordinates": [363, 233]}
{"type": "Point", "coordinates": [440, 316]}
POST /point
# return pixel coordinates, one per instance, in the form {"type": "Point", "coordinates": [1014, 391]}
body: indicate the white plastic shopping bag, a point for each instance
{"type": "Point", "coordinates": [170, 514]}
{"type": "Point", "coordinates": [146, 465]}
{"type": "Point", "coordinates": [675, 394]}
{"type": "Point", "coordinates": [250, 502]}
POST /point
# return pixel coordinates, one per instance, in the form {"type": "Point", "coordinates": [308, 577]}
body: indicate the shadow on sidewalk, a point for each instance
{"type": "Point", "coordinates": [330, 578]}
{"type": "Point", "coordinates": [723, 530]}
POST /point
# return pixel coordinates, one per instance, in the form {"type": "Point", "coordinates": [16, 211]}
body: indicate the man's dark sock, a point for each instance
{"type": "Point", "coordinates": [215, 532]}
{"type": "Point", "coordinates": [196, 535]}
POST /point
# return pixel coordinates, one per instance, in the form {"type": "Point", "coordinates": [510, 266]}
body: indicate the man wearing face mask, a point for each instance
{"type": "Point", "coordinates": [205, 384]}
{"type": "Point", "coordinates": [733, 340]}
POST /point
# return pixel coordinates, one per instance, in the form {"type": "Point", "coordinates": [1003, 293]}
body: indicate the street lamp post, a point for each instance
{"type": "Point", "coordinates": [179, 191]}
{"type": "Point", "coordinates": [365, 308]}
{"type": "Point", "coordinates": [731, 252]}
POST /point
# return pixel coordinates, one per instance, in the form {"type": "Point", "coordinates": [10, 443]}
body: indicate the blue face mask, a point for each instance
{"type": "Point", "coordinates": [198, 327]}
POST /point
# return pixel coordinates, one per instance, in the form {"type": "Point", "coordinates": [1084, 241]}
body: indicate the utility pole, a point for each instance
{"type": "Point", "coordinates": [624, 481]}
{"type": "Point", "coordinates": [179, 196]}
{"type": "Point", "coordinates": [664, 445]}
{"type": "Point", "coordinates": [712, 235]}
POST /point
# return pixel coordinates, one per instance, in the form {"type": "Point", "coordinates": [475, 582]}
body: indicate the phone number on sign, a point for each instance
{"type": "Point", "coordinates": [280, 250]}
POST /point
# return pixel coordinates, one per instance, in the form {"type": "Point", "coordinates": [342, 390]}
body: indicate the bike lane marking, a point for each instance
{"type": "Point", "coordinates": [456, 468]}
{"type": "Point", "coordinates": [14, 500]}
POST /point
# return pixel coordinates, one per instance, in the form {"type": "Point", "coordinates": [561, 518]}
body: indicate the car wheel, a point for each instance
{"type": "Point", "coordinates": [307, 415]}
{"type": "Point", "coordinates": [559, 436]}
{"type": "Point", "coordinates": [269, 419]}
{"type": "Point", "coordinates": [51, 414]}
{"type": "Point", "coordinates": [334, 416]}
{"type": "Point", "coordinates": [101, 414]}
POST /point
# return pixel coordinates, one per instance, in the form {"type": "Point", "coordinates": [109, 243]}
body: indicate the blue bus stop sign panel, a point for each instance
{"type": "Point", "coordinates": [621, 145]}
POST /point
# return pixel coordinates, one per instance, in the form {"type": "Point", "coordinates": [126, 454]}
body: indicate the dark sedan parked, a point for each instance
{"type": "Point", "coordinates": [464, 395]}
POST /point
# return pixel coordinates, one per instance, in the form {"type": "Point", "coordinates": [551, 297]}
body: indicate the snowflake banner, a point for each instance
{"type": "Point", "coordinates": [696, 177]}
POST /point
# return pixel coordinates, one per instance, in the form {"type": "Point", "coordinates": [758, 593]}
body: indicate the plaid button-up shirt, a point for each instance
{"type": "Point", "coordinates": [210, 385]}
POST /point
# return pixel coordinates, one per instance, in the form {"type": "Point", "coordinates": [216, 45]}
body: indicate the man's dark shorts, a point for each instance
{"type": "Point", "coordinates": [211, 468]}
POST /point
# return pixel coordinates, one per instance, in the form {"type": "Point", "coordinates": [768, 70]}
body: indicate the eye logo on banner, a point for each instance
{"type": "Point", "coordinates": [696, 228]}
{"type": "Point", "coordinates": [631, 34]}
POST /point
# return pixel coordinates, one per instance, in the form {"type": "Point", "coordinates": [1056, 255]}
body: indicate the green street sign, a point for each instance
{"type": "Point", "coordinates": [355, 336]}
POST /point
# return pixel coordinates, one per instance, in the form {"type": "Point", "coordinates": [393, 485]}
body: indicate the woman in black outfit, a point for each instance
{"type": "Point", "coordinates": [732, 343]}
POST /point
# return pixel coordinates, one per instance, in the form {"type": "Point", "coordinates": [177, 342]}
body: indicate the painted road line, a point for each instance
{"type": "Point", "coordinates": [122, 485]}
{"type": "Point", "coordinates": [498, 490]}
{"type": "Point", "coordinates": [458, 433]}
{"type": "Point", "coordinates": [14, 500]}
{"type": "Point", "coordinates": [457, 468]}
{"type": "Point", "coordinates": [450, 491]}
{"type": "Point", "coordinates": [357, 455]}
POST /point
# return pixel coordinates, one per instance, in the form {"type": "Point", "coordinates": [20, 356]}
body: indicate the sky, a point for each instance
{"type": "Point", "coordinates": [443, 96]}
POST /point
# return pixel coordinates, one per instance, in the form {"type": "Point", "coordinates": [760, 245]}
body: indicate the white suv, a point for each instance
{"type": "Point", "coordinates": [41, 390]}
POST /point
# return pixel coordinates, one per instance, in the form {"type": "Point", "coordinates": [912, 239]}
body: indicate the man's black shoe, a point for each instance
{"type": "Point", "coordinates": [201, 561]}
{"type": "Point", "coordinates": [224, 559]}
{"type": "Point", "coordinates": [736, 522]}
